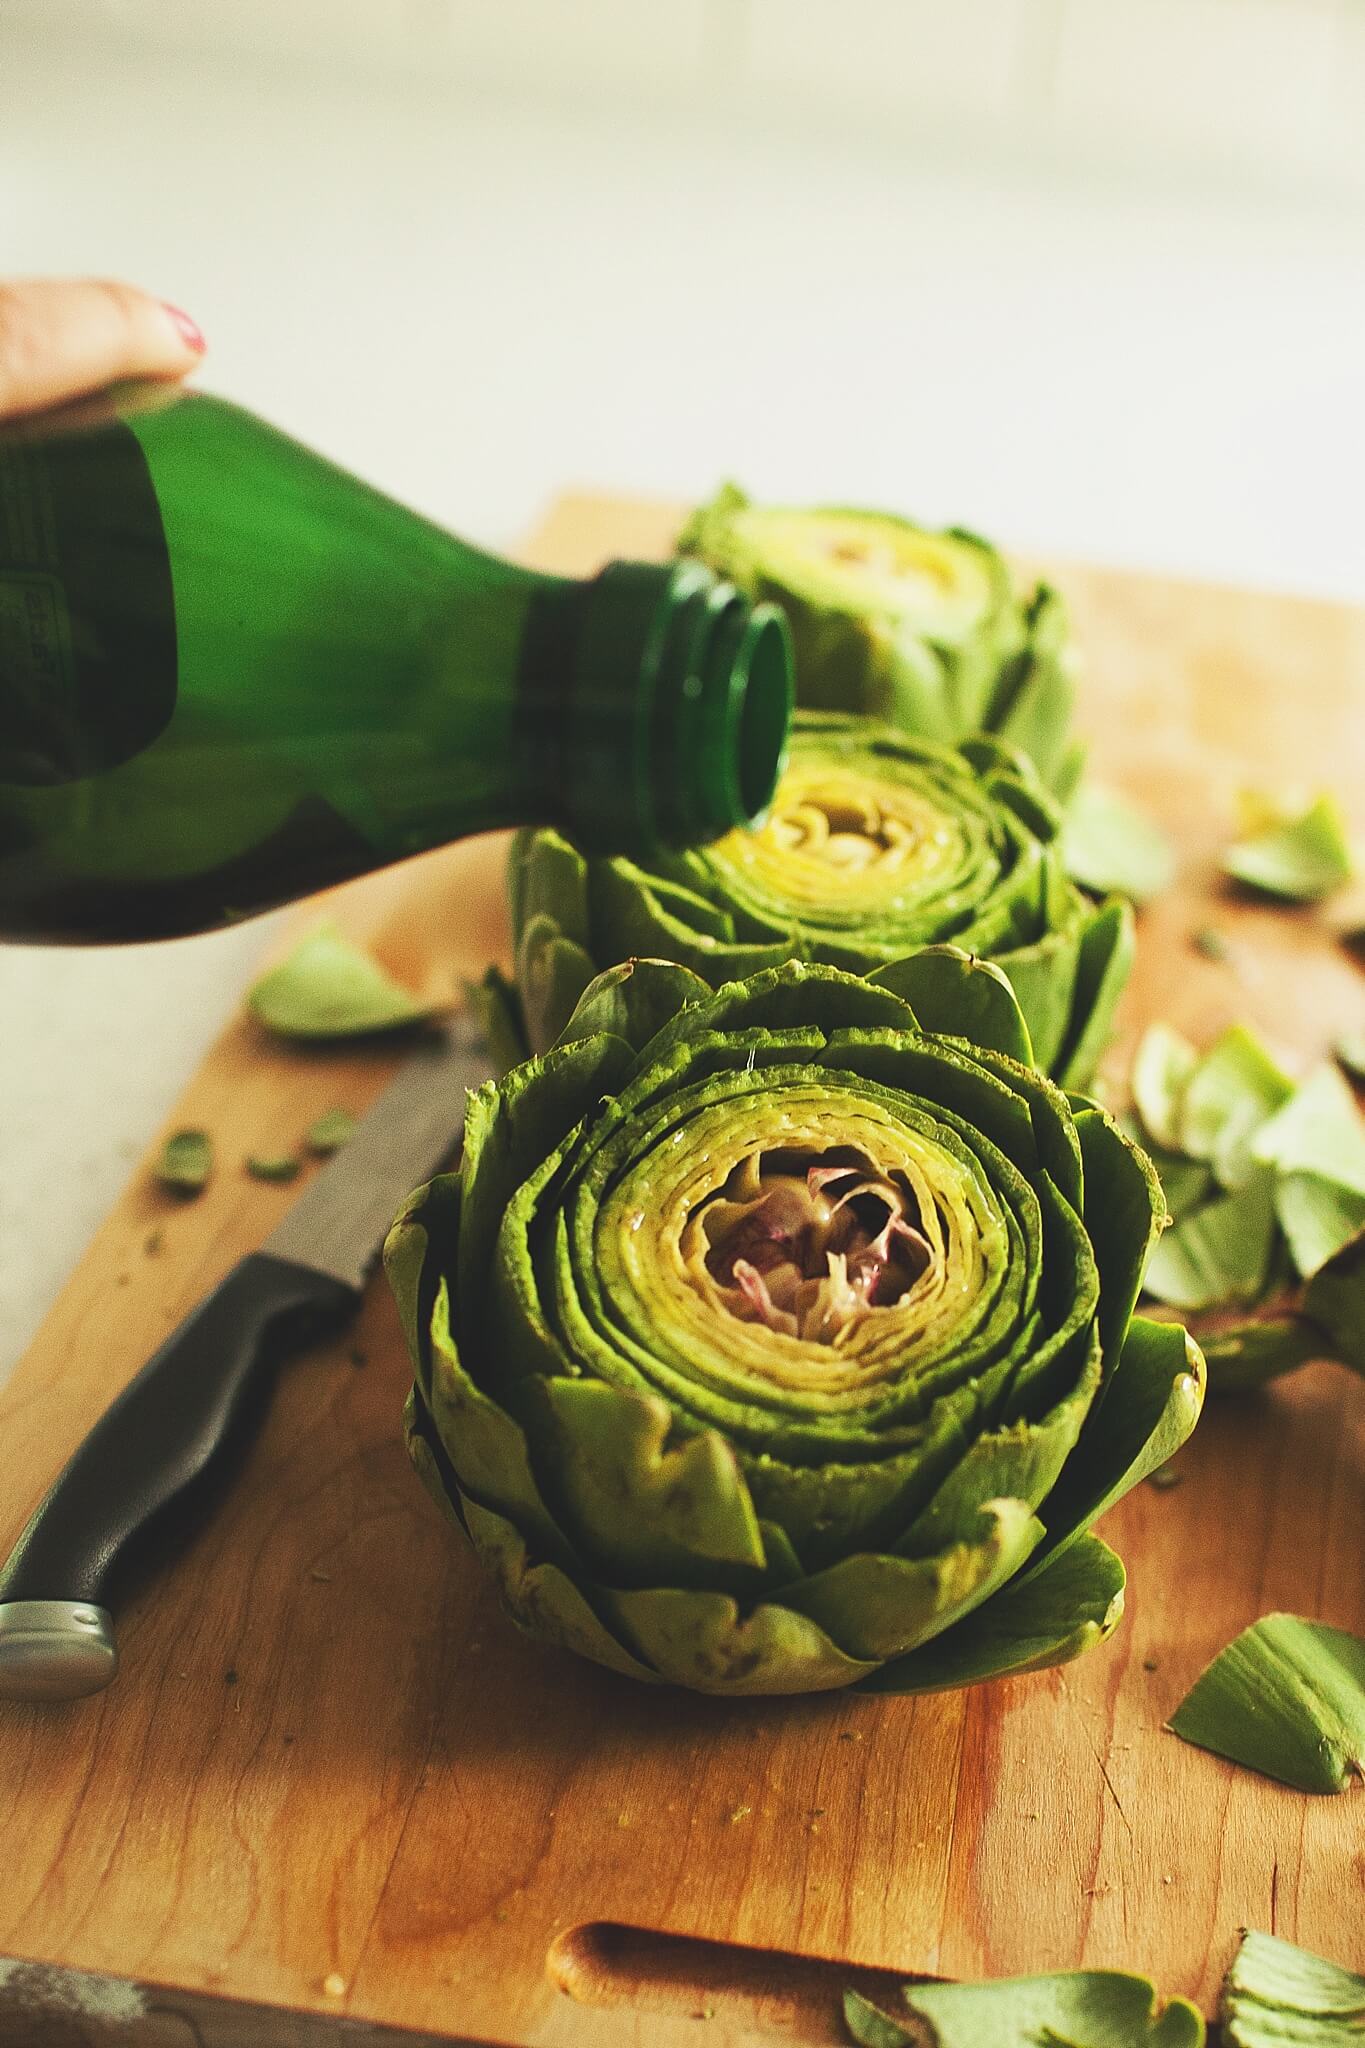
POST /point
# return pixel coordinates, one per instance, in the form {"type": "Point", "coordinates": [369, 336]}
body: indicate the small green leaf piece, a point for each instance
{"type": "Point", "coordinates": [1210, 943]}
{"type": "Point", "coordinates": [186, 1161]}
{"type": "Point", "coordinates": [1069, 2009]}
{"type": "Point", "coordinates": [281, 1167]}
{"type": "Point", "coordinates": [1218, 1255]}
{"type": "Point", "coordinates": [1287, 1698]}
{"type": "Point", "coordinates": [1297, 856]}
{"type": "Point", "coordinates": [330, 1131]}
{"type": "Point", "coordinates": [1279, 1996]}
{"type": "Point", "coordinates": [1111, 845]}
{"type": "Point", "coordinates": [328, 988]}
{"type": "Point", "coordinates": [1162, 1066]}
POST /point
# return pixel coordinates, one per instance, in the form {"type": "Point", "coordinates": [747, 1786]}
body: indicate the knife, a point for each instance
{"type": "Point", "coordinates": [175, 1426]}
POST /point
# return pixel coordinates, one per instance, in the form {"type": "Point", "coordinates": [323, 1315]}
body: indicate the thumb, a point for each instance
{"type": "Point", "coordinates": [61, 338]}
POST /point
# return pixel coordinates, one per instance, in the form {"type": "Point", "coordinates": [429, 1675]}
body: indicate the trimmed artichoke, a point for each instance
{"type": "Point", "coordinates": [924, 629]}
{"type": "Point", "coordinates": [876, 846]}
{"type": "Point", "coordinates": [767, 1342]}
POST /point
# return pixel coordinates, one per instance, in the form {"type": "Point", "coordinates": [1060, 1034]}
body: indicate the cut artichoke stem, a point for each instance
{"type": "Point", "coordinates": [810, 1244]}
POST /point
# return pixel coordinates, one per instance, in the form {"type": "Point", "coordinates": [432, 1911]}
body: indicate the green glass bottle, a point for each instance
{"type": "Point", "coordinates": [231, 673]}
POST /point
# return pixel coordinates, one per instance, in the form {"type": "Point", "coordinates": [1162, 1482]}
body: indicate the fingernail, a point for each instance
{"type": "Point", "coordinates": [186, 329]}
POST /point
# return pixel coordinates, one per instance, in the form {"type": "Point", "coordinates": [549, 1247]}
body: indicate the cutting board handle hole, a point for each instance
{"type": "Point", "coordinates": [606, 1963]}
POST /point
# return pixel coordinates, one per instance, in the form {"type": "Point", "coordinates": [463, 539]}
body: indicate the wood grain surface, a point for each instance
{"type": "Point", "coordinates": [332, 1778]}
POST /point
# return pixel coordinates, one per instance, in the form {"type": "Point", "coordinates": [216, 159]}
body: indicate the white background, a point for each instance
{"type": "Point", "coordinates": [1087, 275]}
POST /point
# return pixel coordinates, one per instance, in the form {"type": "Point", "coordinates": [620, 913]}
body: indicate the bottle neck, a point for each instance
{"type": "Point", "coordinates": [659, 701]}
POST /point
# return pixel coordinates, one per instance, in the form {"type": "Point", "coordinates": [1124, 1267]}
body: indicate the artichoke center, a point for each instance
{"type": "Point", "coordinates": [810, 1243]}
{"type": "Point", "coordinates": [835, 836]}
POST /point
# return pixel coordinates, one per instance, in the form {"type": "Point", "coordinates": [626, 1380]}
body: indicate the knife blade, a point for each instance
{"type": "Point", "coordinates": [177, 1424]}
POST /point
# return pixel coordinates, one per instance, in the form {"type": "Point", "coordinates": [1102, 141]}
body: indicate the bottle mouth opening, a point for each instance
{"type": "Point", "coordinates": [763, 687]}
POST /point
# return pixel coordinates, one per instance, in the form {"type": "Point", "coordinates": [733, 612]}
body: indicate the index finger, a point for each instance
{"type": "Point", "coordinates": [61, 338]}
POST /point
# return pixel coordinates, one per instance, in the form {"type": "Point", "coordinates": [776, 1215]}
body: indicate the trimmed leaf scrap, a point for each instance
{"type": "Point", "coordinates": [329, 988]}
{"type": "Point", "coordinates": [1286, 1698]}
{"type": "Point", "coordinates": [186, 1161]}
{"type": "Point", "coordinates": [1265, 1188]}
{"type": "Point", "coordinates": [1067, 2009]}
{"type": "Point", "coordinates": [1300, 856]}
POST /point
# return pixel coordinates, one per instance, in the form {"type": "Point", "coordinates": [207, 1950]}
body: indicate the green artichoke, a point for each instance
{"type": "Point", "coordinates": [876, 846]}
{"type": "Point", "coordinates": [926, 630]}
{"type": "Point", "coordinates": [769, 1342]}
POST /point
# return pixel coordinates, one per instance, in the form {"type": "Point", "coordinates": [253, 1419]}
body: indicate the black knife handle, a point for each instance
{"type": "Point", "coordinates": [171, 1431]}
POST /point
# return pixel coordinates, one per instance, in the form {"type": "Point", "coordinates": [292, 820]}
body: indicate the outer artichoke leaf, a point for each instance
{"type": "Point", "coordinates": [634, 1001]}
{"type": "Point", "coordinates": [552, 973]}
{"type": "Point", "coordinates": [877, 1607]}
{"type": "Point", "coordinates": [1335, 1301]}
{"type": "Point", "coordinates": [1103, 965]}
{"type": "Point", "coordinates": [419, 1434]}
{"type": "Point", "coordinates": [543, 1600]}
{"type": "Point", "coordinates": [1034, 694]}
{"type": "Point", "coordinates": [509, 1128]}
{"type": "Point", "coordinates": [1286, 1698]}
{"type": "Point", "coordinates": [548, 877]}
{"type": "Point", "coordinates": [487, 1449]}
{"type": "Point", "coordinates": [413, 1272]}
{"type": "Point", "coordinates": [1123, 1208]}
{"type": "Point", "coordinates": [796, 996]}
{"type": "Point", "coordinates": [1318, 1217]}
{"type": "Point", "coordinates": [496, 1002]}
{"type": "Point", "coordinates": [1147, 1409]}
{"type": "Point", "coordinates": [1069, 2009]}
{"type": "Point", "coordinates": [1040, 1619]}
{"type": "Point", "coordinates": [645, 1512]}
{"type": "Point", "coordinates": [956, 995]}
{"type": "Point", "coordinates": [653, 917]}
{"type": "Point", "coordinates": [1279, 1996]}
{"type": "Point", "coordinates": [1219, 1255]}
{"type": "Point", "coordinates": [706, 1641]}
{"type": "Point", "coordinates": [1043, 977]}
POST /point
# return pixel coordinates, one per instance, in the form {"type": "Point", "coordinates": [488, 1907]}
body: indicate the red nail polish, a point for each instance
{"type": "Point", "coordinates": [189, 333]}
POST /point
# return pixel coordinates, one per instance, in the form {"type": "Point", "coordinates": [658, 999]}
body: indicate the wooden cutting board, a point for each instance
{"type": "Point", "coordinates": [332, 1779]}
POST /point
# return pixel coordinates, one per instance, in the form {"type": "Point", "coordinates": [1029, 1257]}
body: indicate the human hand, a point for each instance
{"type": "Point", "coordinates": [61, 338]}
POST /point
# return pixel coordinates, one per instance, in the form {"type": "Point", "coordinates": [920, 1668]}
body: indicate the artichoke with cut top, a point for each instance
{"type": "Point", "coordinates": [877, 845]}
{"type": "Point", "coordinates": [780, 1339]}
{"type": "Point", "coordinates": [927, 630]}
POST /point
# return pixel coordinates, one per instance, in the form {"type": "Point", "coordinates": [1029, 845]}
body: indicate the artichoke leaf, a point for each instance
{"type": "Point", "coordinates": [552, 973]}
{"type": "Point", "coordinates": [877, 1607]}
{"type": "Point", "coordinates": [545, 1601]}
{"type": "Point", "coordinates": [1162, 1066]}
{"type": "Point", "coordinates": [496, 1002]}
{"type": "Point", "coordinates": [1069, 2009]}
{"type": "Point", "coordinates": [1226, 1101]}
{"type": "Point", "coordinates": [634, 1001]}
{"type": "Point", "coordinates": [708, 1642]}
{"type": "Point", "coordinates": [1047, 1617]}
{"type": "Point", "coordinates": [1318, 1217]}
{"type": "Point", "coordinates": [1279, 1996]}
{"type": "Point", "coordinates": [1334, 1301]}
{"type": "Point", "coordinates": [548, 877]}
{"type": "Point", "coordinates": [1146, 1411]}
{"type": "Point", "coordinates": [1123, 1212]}
{"type": "Point", "coordinates": [1103, 964]}
{"type": "Point", "coordinates": [1218, 1255]}
{"type": "Point", "coordinates": [1286, 1698]}
{"type": "Point", "coordinates": [954, 994]}
{"type": "Point", "coordinates": [642, 1510]}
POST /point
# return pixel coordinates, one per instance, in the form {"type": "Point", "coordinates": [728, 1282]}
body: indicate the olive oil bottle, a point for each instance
{"type": "Point", "coordinates": [231, 673]}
